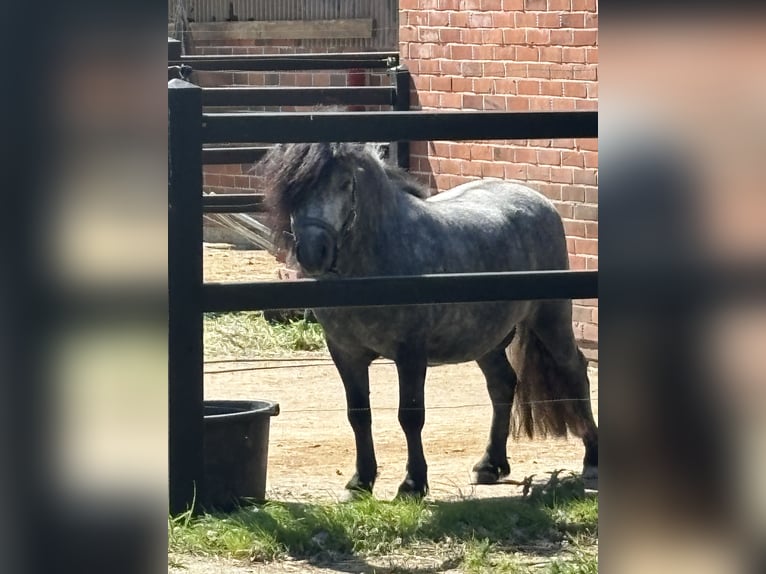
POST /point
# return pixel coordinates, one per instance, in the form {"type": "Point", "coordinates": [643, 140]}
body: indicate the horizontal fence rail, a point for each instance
{"type": "Point", "coordinates": [396, 125]}
{"type": "Point", "coordinates": [404, 290]}
{"type": "Point", "coordinates": [309, 96]}
{"type": "Point", "coordinates": [233, 203]}
{"type": "Point", "coordinates": [233, 155]}
{"type": "Point", "coordinates": [290, 62]}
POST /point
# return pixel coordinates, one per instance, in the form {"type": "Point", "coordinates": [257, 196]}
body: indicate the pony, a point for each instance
{"type": "Point", "coordinates": [342, 211]}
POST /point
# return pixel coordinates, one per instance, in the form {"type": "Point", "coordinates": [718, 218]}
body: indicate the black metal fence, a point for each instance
{"type": "Point", "coordinates": [189, 128]}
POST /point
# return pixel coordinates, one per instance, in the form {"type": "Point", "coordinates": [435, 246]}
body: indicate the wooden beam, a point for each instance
{"type": "Point", "coordinates": [283, 29]}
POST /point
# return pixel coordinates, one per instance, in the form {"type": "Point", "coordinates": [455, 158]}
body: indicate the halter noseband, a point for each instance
{"type": "Point", "coordinates": [338, 237]}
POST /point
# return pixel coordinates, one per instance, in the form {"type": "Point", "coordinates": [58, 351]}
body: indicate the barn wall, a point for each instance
{"type": "Point", "coordinates": [513, 55]}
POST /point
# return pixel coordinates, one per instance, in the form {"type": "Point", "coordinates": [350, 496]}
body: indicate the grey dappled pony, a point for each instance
{"type": "Point", "coordinates": [351, 215]}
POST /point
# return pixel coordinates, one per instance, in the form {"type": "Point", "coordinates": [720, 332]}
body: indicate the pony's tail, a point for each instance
{"type": "Point", "coordinates": [550, 399]}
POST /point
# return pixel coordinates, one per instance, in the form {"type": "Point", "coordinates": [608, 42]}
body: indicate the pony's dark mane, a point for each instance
{"type": "Point", "coordinates": [291, 172]}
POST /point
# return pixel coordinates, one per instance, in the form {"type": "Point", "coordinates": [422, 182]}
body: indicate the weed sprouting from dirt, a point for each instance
{"type": "Point", "coordinates": [247, 333]}
{"type": "Point", "coordinates": [553, 528]}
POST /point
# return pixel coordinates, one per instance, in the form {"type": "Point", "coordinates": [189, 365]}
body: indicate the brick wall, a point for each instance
{"type": "Point", "coordinates": [513, 55]}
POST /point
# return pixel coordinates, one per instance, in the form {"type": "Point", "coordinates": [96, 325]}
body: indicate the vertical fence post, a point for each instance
{"type": "Point", "coordinates": [401, 79]}
{"type": "Point", "coordinates": [185, 350]}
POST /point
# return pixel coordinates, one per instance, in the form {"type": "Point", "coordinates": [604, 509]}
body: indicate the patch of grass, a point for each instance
{"type": "Point", "coordinates": [554, 527]}
{"type": "Point", "coordinates": [247, 332]}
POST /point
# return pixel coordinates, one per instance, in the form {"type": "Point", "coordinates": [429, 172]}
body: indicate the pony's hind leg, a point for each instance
{"type": "Point", "coordinates": [559, 372]}
{"type": "Point", "coordinates": [501, 384]}
{"type": "Point", "coordinates": [354, 371]}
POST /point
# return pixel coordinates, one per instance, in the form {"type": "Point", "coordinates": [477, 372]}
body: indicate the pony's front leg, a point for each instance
{"type": "Point", "coordinates": [354, 371]}
{"type": "Point", "coordinates": [411, 367]}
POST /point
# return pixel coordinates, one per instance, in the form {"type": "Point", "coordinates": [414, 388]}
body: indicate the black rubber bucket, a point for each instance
{"type": "Point", "coordinates": [236, 452]}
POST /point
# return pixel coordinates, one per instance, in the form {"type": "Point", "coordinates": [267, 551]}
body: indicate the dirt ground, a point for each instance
{"type": "Point", "coordinates": [311, 448]}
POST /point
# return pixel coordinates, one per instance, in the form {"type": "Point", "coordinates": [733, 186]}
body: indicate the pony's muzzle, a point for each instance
{"type": "Point", "coordinates": [315, 250]}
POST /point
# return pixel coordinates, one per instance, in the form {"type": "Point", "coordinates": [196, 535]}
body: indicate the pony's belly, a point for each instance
{"type": "Point", "coordinates": [449, 333]}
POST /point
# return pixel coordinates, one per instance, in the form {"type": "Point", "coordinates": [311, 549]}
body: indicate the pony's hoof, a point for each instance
{"type": "Point", "coordinates": [489, 474]}
{"type": "Point", "coordinates": [409, 490]}
{"type": "Point", "coordinates": [485, 476]}
{"type": "Point", "coordinates": [590, 477]}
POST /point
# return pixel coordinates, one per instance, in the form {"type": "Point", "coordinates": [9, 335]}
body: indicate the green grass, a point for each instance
{"type": "Point", "coordinates": [553, 527]}
{"type": "Point", "coordinates": [247, 333]}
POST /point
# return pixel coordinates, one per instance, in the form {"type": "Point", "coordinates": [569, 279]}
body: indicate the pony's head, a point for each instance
{"type": "Point", "coordinates": [312, 195]}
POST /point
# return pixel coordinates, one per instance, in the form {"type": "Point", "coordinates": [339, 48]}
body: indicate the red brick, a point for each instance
{"type": "Point", "coordinates": [525, 20]}
{"type": "Point", "coordinates": [528, 87]}
{"type": "Point", "coordinates": [585, 38]}
{"type": "Point", "coordinates": [513, 5]}
{"type": "Point", "coordinates": [549, 20]}
{"type": "Point", "coordinates": [572, 159]}
{"type": "Point", "coordinates": [436, 19]}
{"type": "Point", "coordinates": [550, 54]}
{"type": "Point", "coordinates": [450, 68]}
{"type": "Point", "coordinates": [594, 316]}
{"type": "Point", "coordinates": [504, 86]}
{"type": "Point", "coordinates": [516, 70]}
{"type": "Point", "coordinates": [575, 90]}
{"type": "Point", "coordinates": [491, 4]}
{"type": "Point", "coordinates": [515, 172]}
{"type": "Point", "coordinates": [549, 190]}
{"type": "Point", "coordinates": [574, 193]}
{"type": "Point", "coordinates": [460, 52]}
{"type": "Point", "coordinates": [462, 84]}
{"type": "Point", "coordinates": [561, 72]}
{"type": "Point", "coordinates": [480, 152]}
{"type": "Point", "coordinates": [535, 4]}
{"type": "Point", "coordinates": [540, 104]}
{"type": "Point", "coordinates": [494, 69]}
{"type": "Point", "coordinates": [503, 19]}
{"type": "Point", "coordinates": [591, 55]}
{"type": "Point", "coordinates": [471, 168]}
{"type": "Point", "coordinates": [495, 103]}
{"type": "Point", "coordinates": [408, 4]}
{"type": "Point", "coordinates": [450, 35]}
{"type": "Point", "coordinates": [450, 101]}
{"type": "Point", "coordinates": [585, 176]}
{"type": "Point", "coordinates": [459, 151]}
{"type": "Point", "coordinates": [573, 20]}
{"type": "Point", "coordinates": [471, 68]}
{"type": "Point", "coordinates": [449, 4]}
{"type": "Point", "coordinates": [473, 102]}
{"type": "Point", "coordinates": [586, 212]}
{"type": "Point", "coordinates": [591, 195]}
{"type": "Point", "coordinates": [548, 157]}
{"type": "Point", "coordinates": [525, 155]}
{"type": "Point", "coordinates": [477, 20]}
{"type": "Point", "coordinates": [441, 84]}
{"type": "Point", "coordinates": [591, 20]}
{"type": "Point", "coordinates": [577, 262]}
{"type": "Point", "coordinates": [458, 19]}
{"type": "Point", "coordinates": [551, 88]}
{"type": "Point", "coordinates": [559, 5]}
{"type": "Point", "coordinates": [573, 55]}
{"type": "Point", "coordinates": [562, 175]}
{"type": "Point", "coordinates": [492, 35]}
{"type": "Point", "coordinates": [586, 73]}
{"type": "Point", "coordinates": [535, 36]}
{"type": "Point", "coordinates": [514, 36]}
{"type": "Point", "coordinates": [526, 54]}
{"type": "Point", "coordinates": [539, 173]}
{"type": "Point", "coordinates": [590, 144]}
{"type": "Point", "coordinates": [565, 209]}
{"type": "Point", "coordinates": [481, 85]}
{"type": "Point", "coordinates": [590, 332]}
{"type": "Point", "coordinates": [591, 230]}
{"type": "Point", "coordinates": [539, 71]}
{"type": "Point", "coordinates": [591, 159]}
{"type": "Point", "coordinates": [472, 36]}
{"type": "Point", "coordinates": [491, 169]}
{"type": "Point", "coordinates": [571, 227]}
{"type": "Point", "coordinates": [562, 37]}
{"type": "Point", "coordinates": [502, 153]}
{"type": "Point", "coordinates": [584, 5]}
{"type": "Point", "coordinates": [517, 104]}
{"type": "Point", "coordinates": [470, 4]}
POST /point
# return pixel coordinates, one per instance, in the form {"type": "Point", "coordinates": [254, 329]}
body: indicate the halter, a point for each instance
{"type": "Point", "coordinates": [338, 237]}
